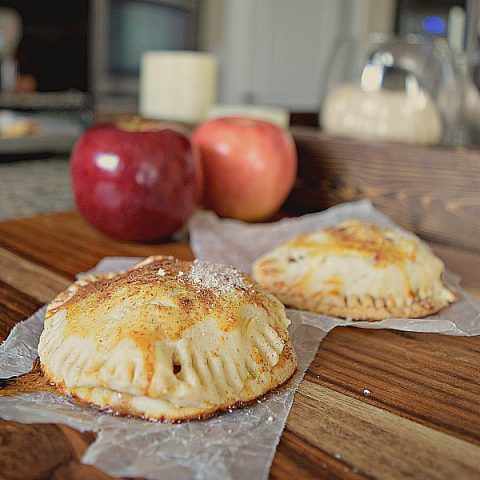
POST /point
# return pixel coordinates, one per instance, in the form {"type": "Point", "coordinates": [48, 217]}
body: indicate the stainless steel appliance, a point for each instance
{"type": "Point", "coordinates": [121, 30]}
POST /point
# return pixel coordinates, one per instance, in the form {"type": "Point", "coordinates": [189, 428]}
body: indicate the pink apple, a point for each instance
{"type": "Point", "coordinates": [249, 166]}
{"type": "Point", "coordinates": [135, 185]}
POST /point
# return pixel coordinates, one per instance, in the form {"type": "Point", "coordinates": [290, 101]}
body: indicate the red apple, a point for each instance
{"type": "Point", "coordinates": [249, 166]}
{"type": "Point", "coordinates": [135, 185]}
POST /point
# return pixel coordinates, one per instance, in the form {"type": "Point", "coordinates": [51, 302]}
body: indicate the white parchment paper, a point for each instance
{"type": "Point", "coordinates": [240, 244]}
{"type": "Point", "coordinates": [236, 445]}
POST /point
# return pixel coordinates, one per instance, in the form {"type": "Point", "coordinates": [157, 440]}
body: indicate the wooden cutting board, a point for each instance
{"type": "Point", "coordinates": [421, 419]}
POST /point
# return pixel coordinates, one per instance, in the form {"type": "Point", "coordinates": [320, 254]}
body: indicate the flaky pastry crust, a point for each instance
{"type": "Point", "coordinates": [167, 340]}
{"type": "Point", "coordinates": [356, 270]}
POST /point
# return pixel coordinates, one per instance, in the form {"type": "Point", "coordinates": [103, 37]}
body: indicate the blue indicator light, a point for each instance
{"type": "Point", "coordinates": [434, 24]}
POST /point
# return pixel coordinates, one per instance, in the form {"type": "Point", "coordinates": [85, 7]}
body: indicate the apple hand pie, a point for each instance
{"type": "Point", "coordinates": [167, 340]}
{"type": "Point", "coordinates": [356, 270]}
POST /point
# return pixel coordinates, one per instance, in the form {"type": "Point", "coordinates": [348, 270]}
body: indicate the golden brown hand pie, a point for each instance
{"type": "Point", "coordinates": [356, 270]}
{"type": "Point", "coordinates": [167, 339]}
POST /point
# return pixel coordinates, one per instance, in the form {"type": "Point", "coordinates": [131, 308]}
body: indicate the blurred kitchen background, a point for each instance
{"type": "Point", "coordinates": [65, 65]}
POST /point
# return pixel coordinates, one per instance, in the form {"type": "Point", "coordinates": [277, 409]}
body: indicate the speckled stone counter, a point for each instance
{"type": "Point", "coordinates": [28, 187]}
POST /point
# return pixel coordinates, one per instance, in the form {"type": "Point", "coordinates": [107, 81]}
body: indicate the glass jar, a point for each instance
{"type": "Point", "coordinates": [389, 89]}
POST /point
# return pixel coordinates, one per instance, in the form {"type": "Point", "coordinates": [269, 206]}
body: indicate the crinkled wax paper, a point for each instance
{"type": "Point", "coordinates": [239, 244]}
{"type": "Point", "coordinates": [235, 445]}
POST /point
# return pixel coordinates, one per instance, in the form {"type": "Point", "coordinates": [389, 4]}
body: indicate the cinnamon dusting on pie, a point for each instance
{"type": "Point", "coordinates": [363, 238]}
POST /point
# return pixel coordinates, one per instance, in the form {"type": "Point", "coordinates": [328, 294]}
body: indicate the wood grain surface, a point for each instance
{"type": "Point", "coordinates": [421, 419]}
{"type": "Point", "coordinates": [432, 191]}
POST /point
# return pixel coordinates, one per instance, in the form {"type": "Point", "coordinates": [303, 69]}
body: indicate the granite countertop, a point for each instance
{"type": "Point", "coordinates": [28, 187]}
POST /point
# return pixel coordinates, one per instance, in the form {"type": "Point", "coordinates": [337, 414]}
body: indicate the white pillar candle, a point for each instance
{"type": "Point", "coordinates": [177, 85]}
